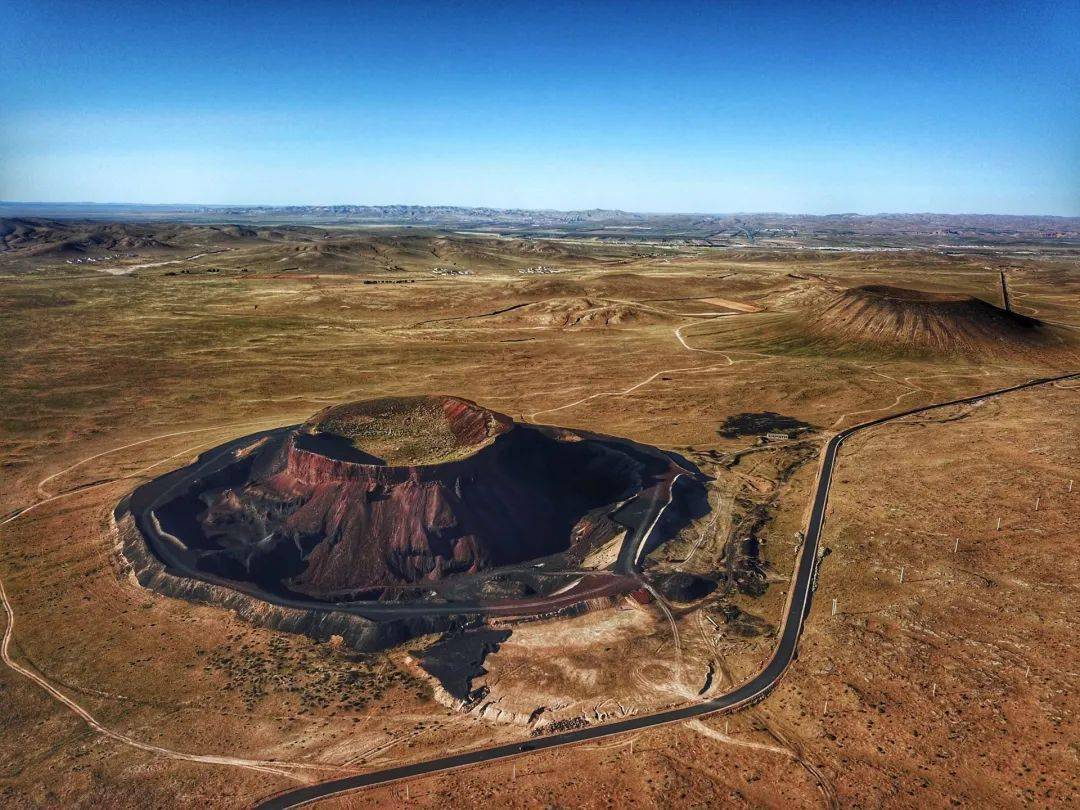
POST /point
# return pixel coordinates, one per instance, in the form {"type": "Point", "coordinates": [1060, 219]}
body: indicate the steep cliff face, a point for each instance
{"type": "Point", "coordinates": [320, 512]}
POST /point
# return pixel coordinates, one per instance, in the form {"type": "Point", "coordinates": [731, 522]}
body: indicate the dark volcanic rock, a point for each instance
{"type": "Point", "coordinates": [683, 587]}
{"type": "Point", "coordinates": [756, 424]}
{"type": "Point", "coordinates": [457, 658]}
{"type": "Point", "coordinates": [744, 624]}
{"type": "Point", "coordinates": [359, 633]}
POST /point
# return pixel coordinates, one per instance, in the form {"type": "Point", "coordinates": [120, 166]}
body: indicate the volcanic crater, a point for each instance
{"type": "Point", "coordinates": [394, 498]}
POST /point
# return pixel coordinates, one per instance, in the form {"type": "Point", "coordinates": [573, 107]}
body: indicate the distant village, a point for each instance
{"type": "Point", "coordinates": [96, 259]}
{"type": "Point", "coordinates": [539, 270]}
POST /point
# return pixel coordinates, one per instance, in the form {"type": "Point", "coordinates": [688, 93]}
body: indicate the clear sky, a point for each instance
{"type": "Point", "coordinates": [718, 107]}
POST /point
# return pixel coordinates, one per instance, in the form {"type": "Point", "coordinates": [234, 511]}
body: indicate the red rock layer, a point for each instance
{"type": "Point", "coordinates": [525, 494]}
{"type": "Point", "coordinates": [471, 424]}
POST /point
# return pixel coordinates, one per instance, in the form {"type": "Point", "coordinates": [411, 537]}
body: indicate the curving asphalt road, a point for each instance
{"type": "Point", "coordinates": [797, 608]}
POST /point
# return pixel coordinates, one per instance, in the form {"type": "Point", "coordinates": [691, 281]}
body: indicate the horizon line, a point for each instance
{"type": "Point", "coordinates": [528, 210]}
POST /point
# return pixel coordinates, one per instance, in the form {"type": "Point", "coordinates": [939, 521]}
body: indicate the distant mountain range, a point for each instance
{"type": "Point", "coordinates": [431, 214]}
{"type": "Point", "coordinates": [439, 215]}
{"type": "Point", "coordinates": [746, 228]}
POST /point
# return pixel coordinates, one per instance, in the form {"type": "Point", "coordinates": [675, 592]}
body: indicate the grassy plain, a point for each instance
{"type": "Point", "coordinates": [109, 378]}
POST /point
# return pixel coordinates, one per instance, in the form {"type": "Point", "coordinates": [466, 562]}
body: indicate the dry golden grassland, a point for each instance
{"type": "Point", "coordinates": [109, 379]}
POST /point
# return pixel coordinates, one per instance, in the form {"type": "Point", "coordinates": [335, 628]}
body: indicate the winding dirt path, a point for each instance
{"type": "Point", "coordinates": [297, 771]}
{"type": "Point", "coordinates": [286, 769]}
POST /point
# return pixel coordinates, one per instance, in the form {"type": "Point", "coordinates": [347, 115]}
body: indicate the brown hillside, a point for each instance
{"type": "Point", "coordinates": [43, 237]}
{"type": "Point", "coordinates": [577, 313]}
{"type": "Point", "coordinates": [939, 323]}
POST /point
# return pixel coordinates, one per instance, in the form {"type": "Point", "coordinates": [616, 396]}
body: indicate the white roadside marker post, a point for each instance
{"type": "Point", "coordinates": [933, 690]}
{"type": "Point", "coordinates": [726, 722]}
{"type": "Point", "coordinates": [513, 773]}
{"type": "Point", "coordinates": [825, 708]}
{"type": "Point", "coordinates": [901, 575]}
{"type": "Point", "coordinates": [956, 546]}
{"type": "Point", "coordinates": [1070, 485]}
{"type": "Point", "coordinates": [999, 524]}
{"type": "Point", "coordinates": [835, 608]}
{"type": "Point", "coordinates": [406, 791]}
{"type": "Point", "coordinates": [1037, 503]}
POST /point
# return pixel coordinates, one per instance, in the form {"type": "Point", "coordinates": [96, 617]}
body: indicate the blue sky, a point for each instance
{"type": "Point", "coordinates": [718, 107]}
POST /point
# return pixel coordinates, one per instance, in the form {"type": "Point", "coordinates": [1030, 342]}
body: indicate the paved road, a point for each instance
{"type": "Point", "coordinates": [797, 609]}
